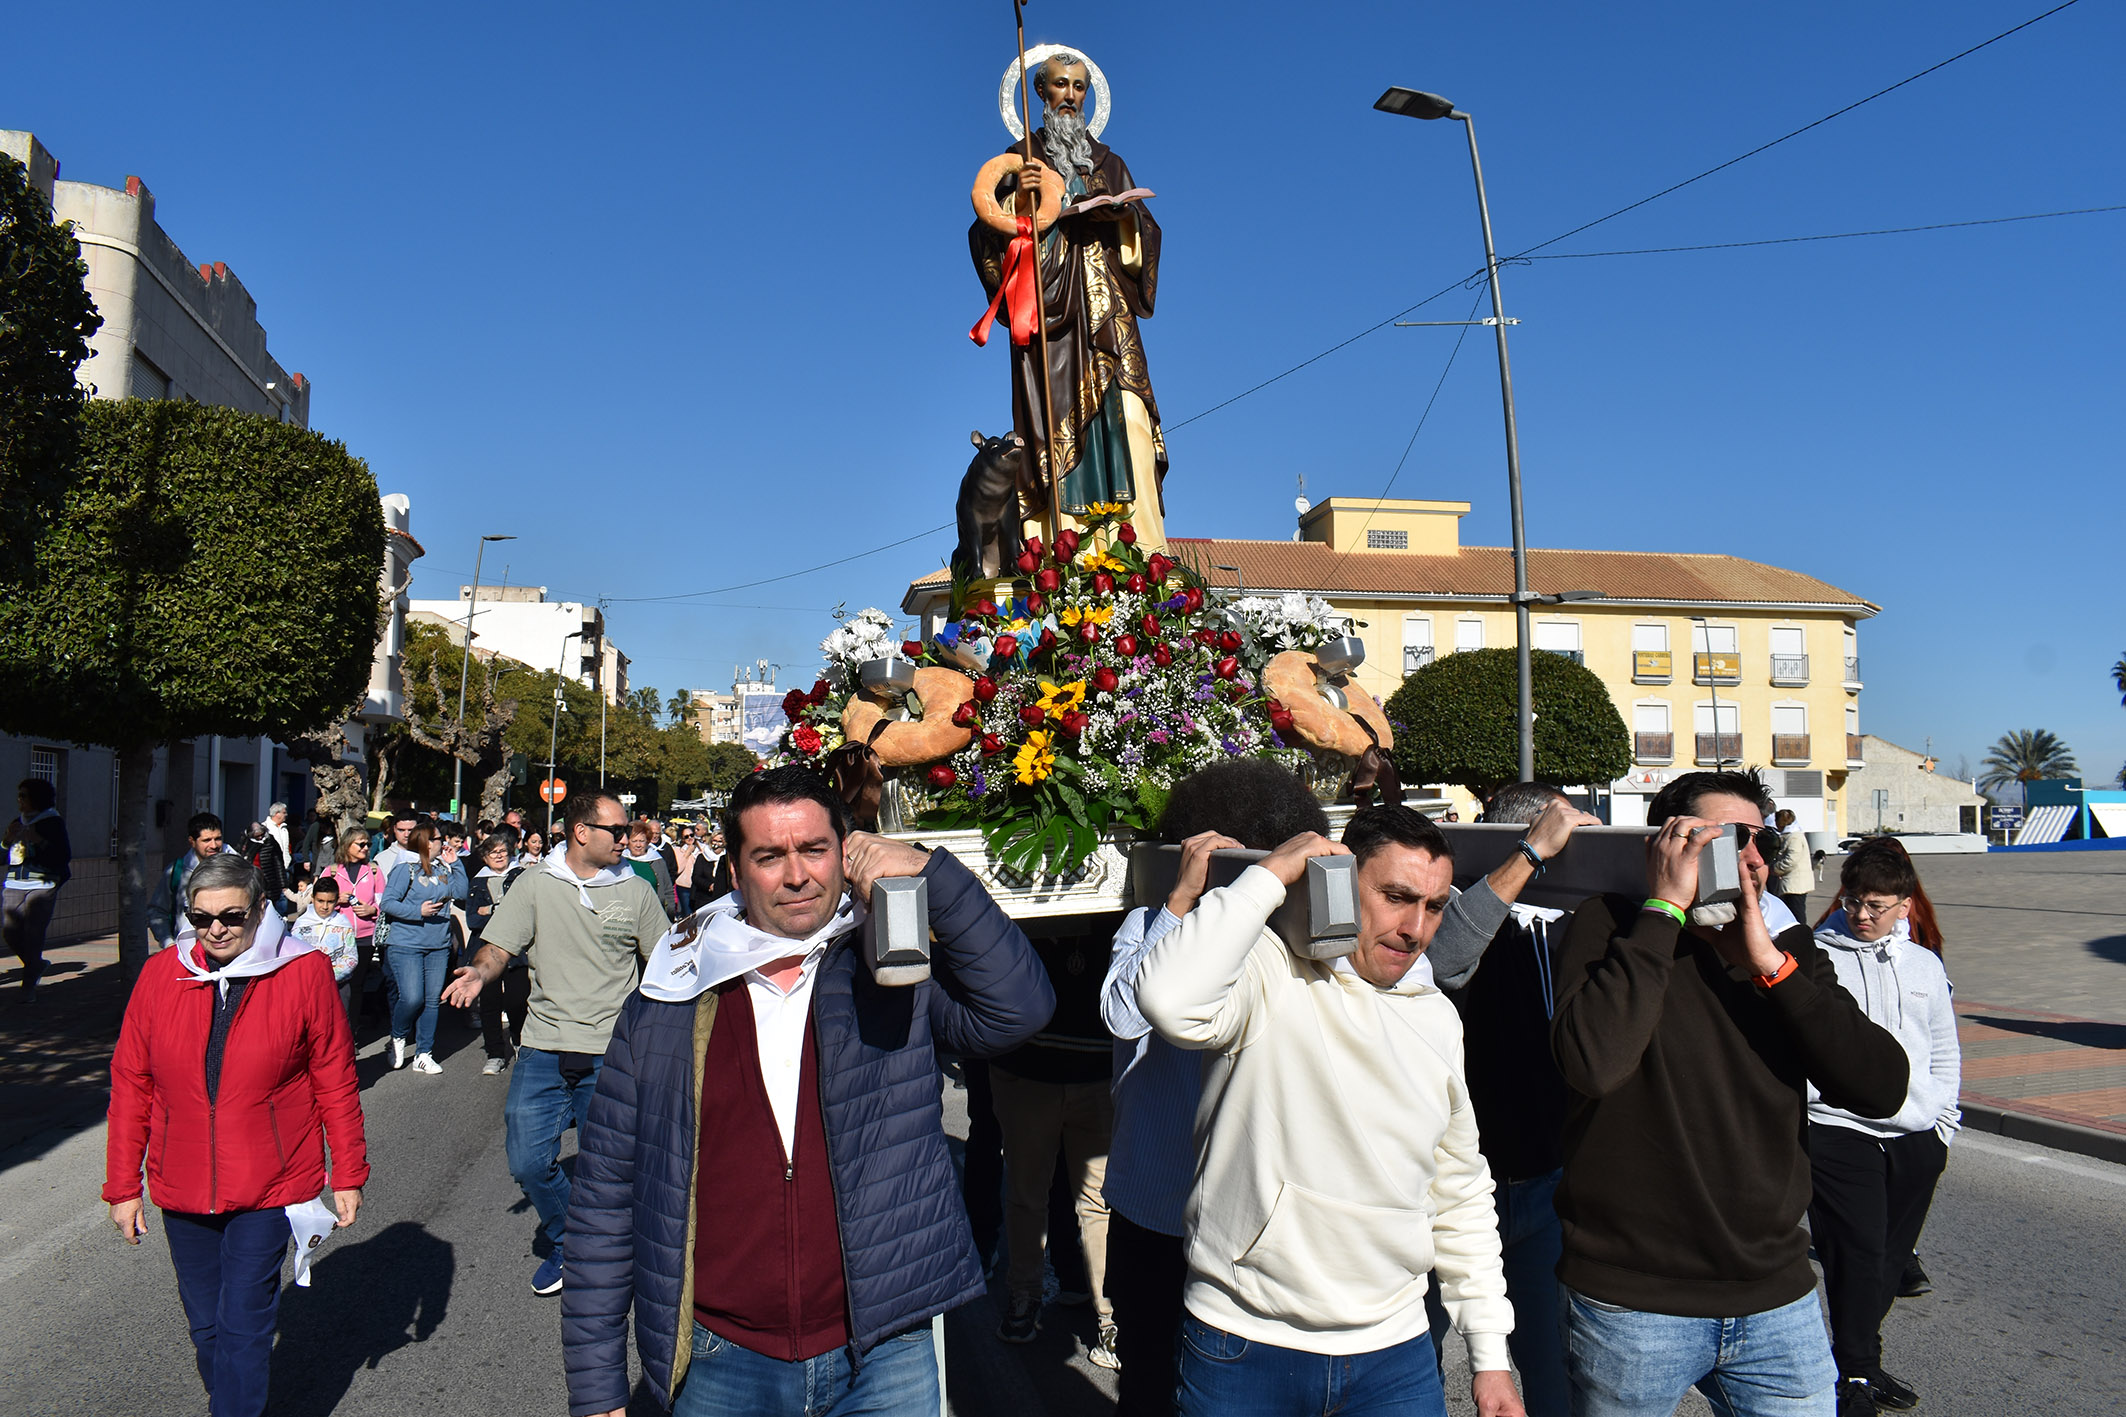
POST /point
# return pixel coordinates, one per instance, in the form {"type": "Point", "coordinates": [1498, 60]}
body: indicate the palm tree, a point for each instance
{"type": "Point", "coordinates": [2118, 677]}
{"type": "Point", "coordinates": [2026, 755]}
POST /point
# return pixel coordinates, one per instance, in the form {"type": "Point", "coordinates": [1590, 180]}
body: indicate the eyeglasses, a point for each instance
{"type": "Point", "coordinates": [1854, 905]}
{"type": "Point", "coordinates": [1767, 839]}
{"type": "Point", "coordinates": [231, 919]}
{"type": "Point", "coordinates": [618, 829]}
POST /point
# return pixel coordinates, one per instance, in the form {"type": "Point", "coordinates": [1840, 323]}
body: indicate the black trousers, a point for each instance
{"type": "Point", "coordinates": [511, 990]}
{"type": "Point", "coordinates": [1146, 1271]}
{"type": "Point", "coordinates": [982, 1180]}
{"type": "Point", "coordinates": [1871, 1198]}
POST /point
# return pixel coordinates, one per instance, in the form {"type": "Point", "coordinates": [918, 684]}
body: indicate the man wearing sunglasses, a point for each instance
{"type": "Point", "coordinates": [582, 920]}
{"type": "Point", "coordinates": [1688, 1036]}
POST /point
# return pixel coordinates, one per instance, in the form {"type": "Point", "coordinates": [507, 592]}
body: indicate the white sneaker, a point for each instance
{"type": "Point", "coordinates": [422, 1063]}
{"type": "Point", "coordinates": [400, 1050]}
{"type": "Point", "coordinates": [492, 1067]}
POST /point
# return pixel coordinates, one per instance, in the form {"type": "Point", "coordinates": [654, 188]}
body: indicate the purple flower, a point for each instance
{"type": "Point", "coordinates": [1231, 747]}
{"type": "Point", "coordinates": [1202, 694]}
{"type": "Point", "coordinates": [977, 784]}
{"type": "Point", "coordinates": [1158, 735]}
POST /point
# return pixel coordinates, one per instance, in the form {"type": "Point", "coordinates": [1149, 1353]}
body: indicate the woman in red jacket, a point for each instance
{"type": "Point", "coordinates": [233, 1066]}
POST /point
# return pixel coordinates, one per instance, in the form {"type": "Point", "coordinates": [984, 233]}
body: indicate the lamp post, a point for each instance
{"type": "Point", "coordinates": [1712, 682]}
{"type": "Point", "coordinates": [457, 768]}
{"type": "Point", "coordinates": [1411, 103]}
{"type": "Point", "coordinates": [553, 732]}
{"type": "Point", "coordinates": [1242, 591]}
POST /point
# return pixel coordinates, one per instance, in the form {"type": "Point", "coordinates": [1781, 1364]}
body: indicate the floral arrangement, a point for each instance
{"type": "Point", "coordinates": [1107, 676]}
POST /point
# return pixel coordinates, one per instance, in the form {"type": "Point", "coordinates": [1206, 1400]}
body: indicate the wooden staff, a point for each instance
{"type": "Point", "coordinates": [1030, 206]}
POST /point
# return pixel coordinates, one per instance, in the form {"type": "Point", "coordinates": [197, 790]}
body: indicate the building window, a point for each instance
{"type": "Point", "coordinates": [1468, 634]}
{"type": "Point", "coordinates": [1417, 642]}
{"type": "Point", "coordinates": [1378, 540]}
{"type": "Point", "coordinates": [1852, 735]}
{"type": "Point", "coordinates": [1714, 659]}
{"type": "Point", "coordinates": [46, 764]}
{"type": "Point", "coordinates": [1650, 662]}
{"type": "Point", "coordinates": [1560, 637]}
{"type": "Point", "coordinates": [1852, 658]}
{"type": "Point", "coordinates": [1790, 658]}
{"type": "Point", "coordinates": [1718, 731]}
{"type": "Point", "coordinates": [1790, 735]}
{"type": "Point", "coordinates": [1652, 742]}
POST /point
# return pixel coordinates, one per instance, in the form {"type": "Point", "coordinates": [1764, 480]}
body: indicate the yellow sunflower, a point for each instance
{"type": "Point", "coordinates": [1058, 700]}
{"type": "Point", "coordinates": [1036, 757]}
{"type": "Point", "coordinates": [1104, 509]}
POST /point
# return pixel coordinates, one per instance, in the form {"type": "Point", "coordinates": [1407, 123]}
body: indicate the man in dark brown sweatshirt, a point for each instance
{"type": "Point", "coordinates": [1688, 1044]}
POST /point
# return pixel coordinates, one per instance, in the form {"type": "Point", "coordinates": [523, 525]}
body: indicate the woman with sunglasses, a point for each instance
{"type": "Point", "coordinates": [1874, 1177]}
{"type": "Point", "coordinates": [234, 1069]}
{"type": "Point", "coordinates": [418, 895]}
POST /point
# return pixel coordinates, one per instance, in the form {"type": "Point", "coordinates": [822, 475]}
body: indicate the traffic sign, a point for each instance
{"type": "Point", "coordinates": [552, 790]}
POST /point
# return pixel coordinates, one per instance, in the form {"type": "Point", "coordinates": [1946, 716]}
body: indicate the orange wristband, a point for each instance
{"type": "Point", "coordinates": [1766, 981]}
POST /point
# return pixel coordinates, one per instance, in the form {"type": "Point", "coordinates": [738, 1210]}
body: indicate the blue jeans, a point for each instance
{"type": "Point", "coordinates": [1528, 1229]}
{"type": "Point", "coordinates": [548, 1092]}
{"type": "Point", "coordinates": [1625, 1363]}
{"type": "Point", "coordinates": [229, 1280]}
{"type": "Point", "coordinates": [899, 1378]}
{"type": "Point", "coordinates": [1224, 1375]}
{"type": "Point", "coordinates": [419, 975]}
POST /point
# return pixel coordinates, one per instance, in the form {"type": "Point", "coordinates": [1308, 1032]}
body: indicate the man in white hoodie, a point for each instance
{"type": "Point", "coordinates": [1336, 1148]}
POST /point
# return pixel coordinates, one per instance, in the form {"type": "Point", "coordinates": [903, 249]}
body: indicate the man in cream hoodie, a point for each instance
{"type": "Point", "coordinates": [1336, 1150]}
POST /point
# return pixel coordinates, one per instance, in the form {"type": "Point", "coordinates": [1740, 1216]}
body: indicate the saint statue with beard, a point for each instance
{"type": "Point", "coordinates": [1099, 275]}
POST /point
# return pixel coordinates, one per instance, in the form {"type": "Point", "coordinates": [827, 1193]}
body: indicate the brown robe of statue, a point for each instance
{"type": "Point", "coordinates": [1098, 278]}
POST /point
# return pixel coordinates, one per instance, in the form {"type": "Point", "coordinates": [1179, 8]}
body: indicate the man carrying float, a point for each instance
{"type": "Point", "coordinates": [1099, 275]}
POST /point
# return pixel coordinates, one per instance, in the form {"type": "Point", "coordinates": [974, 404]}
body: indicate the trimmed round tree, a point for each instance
{"type": "Point", "coordinates": [1455, 721]}
{"type": "Point", "coordinates": [209, 571]}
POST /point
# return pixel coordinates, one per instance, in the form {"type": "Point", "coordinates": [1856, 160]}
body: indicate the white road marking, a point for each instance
{"type": "Point", "coordinates": [2014, 1150]}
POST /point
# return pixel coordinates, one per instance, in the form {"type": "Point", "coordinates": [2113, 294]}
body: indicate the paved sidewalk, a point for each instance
{"type": "Point", "coordinates": [2045, 1077]}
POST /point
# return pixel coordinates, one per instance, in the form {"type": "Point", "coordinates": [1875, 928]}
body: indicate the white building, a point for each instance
{"type": "Point", "coordinates": [520, 622]}
{"type": "Point", "coordinates": [1903, 791]}
{"type": "Point", "coordinates": [176, 329]}
{"type": "Point", "coordinates": [716, 717]}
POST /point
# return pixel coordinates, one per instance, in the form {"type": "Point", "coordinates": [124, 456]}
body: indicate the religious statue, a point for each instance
{"type": "Point", "coordinates": [1099, 274]}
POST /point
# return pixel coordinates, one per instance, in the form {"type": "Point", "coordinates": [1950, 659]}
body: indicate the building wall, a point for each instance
{"type": "Point", "coordinates": [538, 633]}
{"type": "Point", "coordinates": [1919, 798]}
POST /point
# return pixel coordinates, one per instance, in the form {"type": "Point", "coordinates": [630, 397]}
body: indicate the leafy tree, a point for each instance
{"type": "Point", "coordinates": [46, 318]}
{"type": "Point", "coordinates": [2026, 755]}
{"type": "Point", "coordinates": [729, 763]}
{"type": "Point", "coordinates": [209, 571]}
{"type": "Point", "coordinates": [1455, 722]}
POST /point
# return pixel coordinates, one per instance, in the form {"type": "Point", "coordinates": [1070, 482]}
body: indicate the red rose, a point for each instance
{"type": "Point", "coordinates": [1229, 640]}
{"type": "Point", "coordinates": [1104, 679]}
{"type": "Point", "coordinates": [1160, 562]}
{"type": "Point", "coordinates": [1136, 583]}
{"type": "Point", "coordinates": [1027, 561]}
{"type": "Point", "coordinates": [1032, 715]}
{"type": "Point", "coordinates": [991, 744]}
{"type": "Point", "coordinates": [1003, 647]}
{"type": "Point", "coordinates": [1226, 668]}
{"type": "Point", "coordinates": [1103, 583]}
{"type": "Point", "coordinates": [1162, 655]}
{"type": "Point", "coordinates": [794, 705]}
{"type": "Point", "coordinates": [964, 716]}
{"type": "Point", "coordinates": [1049, 581]}
{"type": "Point", "coordinates": [1281, 720]}
{"type": "Point", "coordinates": [805, 738]}
{"type": "Point", "coordinates": [942, 776]}
{"type": "Point", "coordinates": [1033, 547]}
{"type": "Point", "coordinates": [1089, 632]}
{"type": "Point", "coordinates": [1192, 599]}
{"type": "Point", "coordinates": [985, 688]}
{"type": "Point", "coordinates": [1126, 645]}
{"type": "Point", "coordinates": [1157, 575]}
{"type": "Point", "coordinates": [1126, 534]}
{"type": "Point", "coordinates": [1204, 637]}
{"type": "Point", "coordinates": [1076, 722]}
{"type": "Point", "coordinates": [1048, 640]}
{"type": "Point", "coordinates": [1035, 604]}
{"type": "Point", "coordinates": [984, 607]}
{"type": "Point", "coordinates": [1066, 544]}
{"type": "Point", "coordinates": [912, 649]}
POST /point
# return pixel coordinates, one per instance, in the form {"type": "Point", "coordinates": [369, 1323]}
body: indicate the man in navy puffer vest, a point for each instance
{"type": "Point", "coordinates": [763, 1177]}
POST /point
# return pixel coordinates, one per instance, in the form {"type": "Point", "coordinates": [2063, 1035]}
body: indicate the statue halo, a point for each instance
{"type": "Point", "coordinates": [1036, 56]}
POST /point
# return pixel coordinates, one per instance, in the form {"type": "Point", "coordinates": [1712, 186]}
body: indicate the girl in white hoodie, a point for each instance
{"type": "Point", "coordinates": [1874, 1178]}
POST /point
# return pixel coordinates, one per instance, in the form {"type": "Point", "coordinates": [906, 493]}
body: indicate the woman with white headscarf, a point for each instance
{"type": "Point", "coordinates": [234, 1067]}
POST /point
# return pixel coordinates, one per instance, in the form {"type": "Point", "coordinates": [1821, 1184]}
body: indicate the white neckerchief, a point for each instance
{"type": "Point", "coordinates": [271, 948]}
{"type": "Point", "coordinates": [1418, 976]}
{"type": "Point", "coordinates": [715, 944]}
{"type": "Point", "coordinates": [557, 865]}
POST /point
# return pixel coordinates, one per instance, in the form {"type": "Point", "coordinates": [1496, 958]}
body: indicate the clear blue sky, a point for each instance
{"type": "Point", "coordinates": [679, 296]}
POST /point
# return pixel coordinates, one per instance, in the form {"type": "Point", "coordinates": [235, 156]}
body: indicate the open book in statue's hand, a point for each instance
{"type": "Point", "coordinates": [1093, 204]}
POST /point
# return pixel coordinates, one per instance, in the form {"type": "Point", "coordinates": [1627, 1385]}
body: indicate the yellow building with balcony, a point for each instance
{"type": "Point", "coordinates": [1709, 659]}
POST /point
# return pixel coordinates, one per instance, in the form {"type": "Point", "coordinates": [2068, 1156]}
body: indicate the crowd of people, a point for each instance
{"type": "Point", "coordinates": [1585, 1141]}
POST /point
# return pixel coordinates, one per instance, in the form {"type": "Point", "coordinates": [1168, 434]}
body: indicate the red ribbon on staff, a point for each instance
{"type": "Point", "coordinates": [1015, 292]}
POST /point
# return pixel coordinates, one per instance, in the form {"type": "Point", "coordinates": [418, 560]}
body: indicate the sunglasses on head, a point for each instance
{"type": "Point", "coordinates": [233, 918]}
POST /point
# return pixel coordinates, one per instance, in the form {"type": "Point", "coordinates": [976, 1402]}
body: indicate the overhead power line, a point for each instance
{"type": "Point", "coordinates": [1620, 211]}
{"type": "Point", "coordinates": [1826, 236]}
{"type": "Point", "coordinates": [771, 580]}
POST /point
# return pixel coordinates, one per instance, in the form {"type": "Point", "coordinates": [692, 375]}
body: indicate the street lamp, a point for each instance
{"type": "Point", "coordinates": [553, 732]}
{"type": "Point", "coordinates": [457, 769]}
{"type": "Point", "coordinates": [1410, 103]}
{"type": "Point", "coordinates": [1712, 682]}
{"type": "Point", "coordinates": [1242, 592]}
